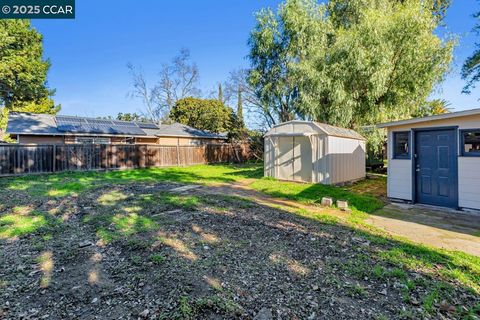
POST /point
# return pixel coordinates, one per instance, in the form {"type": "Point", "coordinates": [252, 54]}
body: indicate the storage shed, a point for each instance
{"type": "Point", "coordinates": [314, 152]}
{"type": "Point", "coordinates": [435, 160]}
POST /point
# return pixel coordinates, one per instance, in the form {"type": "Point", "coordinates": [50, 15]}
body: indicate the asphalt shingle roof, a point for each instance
{"type": "Point", "coordinates": [46, 124]}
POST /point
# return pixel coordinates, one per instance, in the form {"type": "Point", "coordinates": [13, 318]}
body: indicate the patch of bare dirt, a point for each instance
{"type": "Point", "coordinates": [141, 252]}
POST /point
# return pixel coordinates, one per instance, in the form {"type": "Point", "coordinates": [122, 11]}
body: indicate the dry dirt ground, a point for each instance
{"type": "Point", "coordinates": [436, 227]}
{"type": "Point", "coordinates": [153, 252]}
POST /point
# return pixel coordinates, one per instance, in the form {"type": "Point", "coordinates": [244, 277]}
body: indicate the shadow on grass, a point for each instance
{"type": "Point", "coordinates": [313, 193]}
{"type": "Point", "coordinates": [212, 254]}
{"type": "Point", "coordinates": [24, 220]}
{"type": "Point", "coordinates": [66, 184]}
{"type": "Point", "coordinates": [276, 233]}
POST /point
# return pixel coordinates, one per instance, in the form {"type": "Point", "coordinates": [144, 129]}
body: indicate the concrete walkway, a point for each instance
{"type": "Point", "coordinates": [451, 230]}
{"type": "Point", "coordinates": [448, 229]}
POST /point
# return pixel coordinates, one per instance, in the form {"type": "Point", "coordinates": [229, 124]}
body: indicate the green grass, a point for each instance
{"type": "Point", "coordinates": [157, 258]}
{"type": "Point", "coordinates": [23, 220]}
{"type": "Point", "coordinates": [456, 265]}
{"type": "Point", "coordinates": [70, 183]}
{"type": "Point", "coordinates": [313, 193]}
{"type": "Point", "coordinates": [120, 216]}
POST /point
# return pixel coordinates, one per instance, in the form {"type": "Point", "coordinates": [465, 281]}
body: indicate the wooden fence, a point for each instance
{"type": "Point", "coordinates": [18, 159]}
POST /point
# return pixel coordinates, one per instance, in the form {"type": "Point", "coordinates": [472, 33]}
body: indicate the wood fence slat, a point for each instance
{"type": "Point", "coordinates": [16, 159]}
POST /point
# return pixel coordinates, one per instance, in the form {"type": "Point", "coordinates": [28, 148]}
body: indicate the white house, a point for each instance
{"type": "Point", "coordinates": [436, 160]}
{"type": "Point", "coordinates": [309, 151]}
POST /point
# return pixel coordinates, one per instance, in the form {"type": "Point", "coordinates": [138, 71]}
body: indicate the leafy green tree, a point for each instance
{"type": "Point", "coordinates": [203, 114]}
{"type": "Point", "coordinates": [346, 13]}
{"type": "Point", "coordinates": [131, 117]}
{"type": "Point", "coordinates": [23, 76]}
{"type": "Point", "coordinates": [433, 107]}
{"type": "Point", "coordinates": [380, 68]}
{"type": "Point", "coordinates": [45, 105]}
{"type": "Point", "coordinates": [271, 54]}
{"type": "Point", "coordinates": [471, 67]}
{"type": "Point", "coordinates": [23, 71]}
{"type": "Point", "coordinates": [350, 63]}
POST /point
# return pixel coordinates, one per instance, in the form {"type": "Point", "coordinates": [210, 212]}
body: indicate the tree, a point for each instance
{"type": "Point", "coordinates": [471, 67]}
{"type": "Point", "coordinates": [131, 117]}
{"type": "Point", "coordinates": [23, 76]}
{"type": "Point", "coordinates": [23, 71]}
{"type": "Point", "coordinates": [239, 105]}
{"type": "Point", "coordinates": [346, 13]}
{"type": "Point", "coordinates": [433, 107]}
{"type": "Point", "coordinates": [381, 67]}
{"type": "Point", "coordinates": [220, 93]}
{"type": "Point", "coordinates": [271, 56]}
{"type": "Point", "coordinates": [261, 114]}
{"type": "Point", "coordinates": [350, 63]}
{"type": "Point", "coordinates": [203, 114]}
{"type": "Point", "coordinates": [177, 80]}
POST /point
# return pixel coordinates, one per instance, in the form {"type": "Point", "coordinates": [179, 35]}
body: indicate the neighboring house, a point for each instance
{"type": "Point", "coordinates": [436, 160]}
{"type": "Point", "coordinates": [314, 152]}
{"type": "Point", "coordinates": [32, 128]}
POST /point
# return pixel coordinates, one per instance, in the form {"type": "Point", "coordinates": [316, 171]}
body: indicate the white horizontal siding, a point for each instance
{"type": "Point", "coordinates": [400, 179]}
{"type": "Point", "coordinates": [400, 171]}
{"type": "Point", "coordinates": [469, 182]}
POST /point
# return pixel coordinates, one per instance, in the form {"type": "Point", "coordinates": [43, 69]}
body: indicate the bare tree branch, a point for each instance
{"type": "Point", "coordinates": [177, 80]}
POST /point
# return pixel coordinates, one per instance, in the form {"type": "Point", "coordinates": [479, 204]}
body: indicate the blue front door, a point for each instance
{"type": "Point", "coordinates": [436, 167]}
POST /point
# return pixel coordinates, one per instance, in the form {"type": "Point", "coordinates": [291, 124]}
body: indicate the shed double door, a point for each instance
{"type": "Point", "coordinates": [294, 159]}
{"type": "Point", "coordinates": [436, 167]}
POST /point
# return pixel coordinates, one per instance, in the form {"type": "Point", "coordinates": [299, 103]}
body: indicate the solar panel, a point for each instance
{"type": "Point", "coordinates": [147, 125]}
{"type": "Point", "coordinates": [125, 124]}
{"type": "Point", "coordinates": [97, 126]}
{"type": "Point", "coordinates": [130, 130]}
{"type": "Point", "coordinates": [69, 120]}
{"type": "Point", "coordinates": [100, 121]}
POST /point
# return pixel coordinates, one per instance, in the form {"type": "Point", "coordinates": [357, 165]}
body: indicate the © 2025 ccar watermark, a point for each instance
{"type": "Point", "coordinates": [37, 9]}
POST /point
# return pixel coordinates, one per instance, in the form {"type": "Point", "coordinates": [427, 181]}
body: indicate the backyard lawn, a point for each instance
{"type": "Point", "coordinates": [127, 244]}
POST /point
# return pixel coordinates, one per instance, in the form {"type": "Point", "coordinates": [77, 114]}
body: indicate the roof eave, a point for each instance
{"type": "Point", "coordinates": [188, 136]}
{"type": "Point", "coordinates": [77, 134]}
{"type": "Point", "coordinates": [437, 117]}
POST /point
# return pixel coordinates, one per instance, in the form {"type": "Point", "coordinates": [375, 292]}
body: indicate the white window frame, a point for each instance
{"type": "Point", "coordinates": [93, 140]}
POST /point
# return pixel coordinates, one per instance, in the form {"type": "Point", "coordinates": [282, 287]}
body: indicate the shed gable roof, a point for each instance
{"type": "Point", "coordinates": [339, 131]}
{"type": "Point", "coordinates": [320, 127]}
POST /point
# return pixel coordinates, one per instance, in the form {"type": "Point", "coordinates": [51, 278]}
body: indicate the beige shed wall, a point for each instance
{"type": "Point", "coordinates": [332, 160]}
{"type": "Point", "coordinates": [346, 159]}
{"type": "Point", "coordinates": [269, 157]}
{"type": "Point", "coordinates": [400, 176]}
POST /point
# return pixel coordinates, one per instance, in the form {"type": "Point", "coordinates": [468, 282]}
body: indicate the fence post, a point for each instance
{"type": "Point", "coordinates": [54, 153]}
{"type": "Point", "coordinates": [178, 151]}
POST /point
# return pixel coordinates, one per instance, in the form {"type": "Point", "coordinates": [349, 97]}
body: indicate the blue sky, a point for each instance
{"type": "Point", "coordinates": [89, 54]}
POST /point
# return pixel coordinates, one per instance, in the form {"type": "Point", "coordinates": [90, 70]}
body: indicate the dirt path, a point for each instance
{"type": "Point", "coordinates": [447, 230]}
{"type": "Point", "coordinates": [184, 251]}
